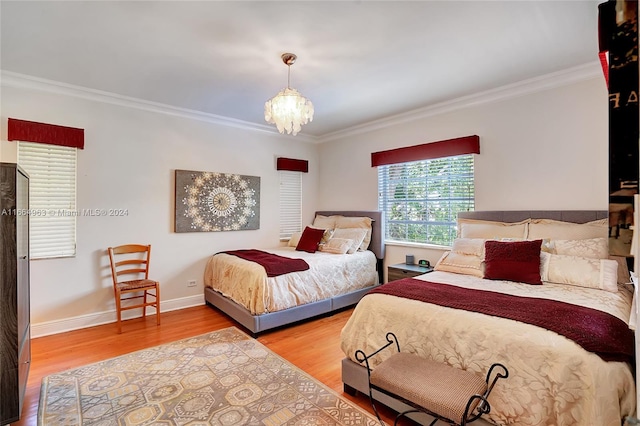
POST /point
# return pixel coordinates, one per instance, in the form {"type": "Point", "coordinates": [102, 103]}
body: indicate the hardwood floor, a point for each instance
{"type": "Point", "coordinates": [313, 346]}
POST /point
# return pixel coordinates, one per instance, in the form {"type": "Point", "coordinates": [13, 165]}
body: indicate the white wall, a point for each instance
{"type": "Point", "coordinates": [128, 162]}
{"type": "Point", "coordinates": [541, 151]}
{"type": "Point", "coordinates": [546, 150]}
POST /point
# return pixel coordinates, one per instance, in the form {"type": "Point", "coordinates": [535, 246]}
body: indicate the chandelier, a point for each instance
{"type": "Point", "coordinates": [288, 110]}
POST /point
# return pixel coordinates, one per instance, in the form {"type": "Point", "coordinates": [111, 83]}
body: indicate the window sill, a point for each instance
{"type": "Point", "coordinates": [417, 245]}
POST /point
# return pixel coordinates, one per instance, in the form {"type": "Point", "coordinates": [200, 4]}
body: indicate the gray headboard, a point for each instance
{"type": "Point", "coordinates": [576, 216]}
{"type": "Point", "coordinates": [377, 227]}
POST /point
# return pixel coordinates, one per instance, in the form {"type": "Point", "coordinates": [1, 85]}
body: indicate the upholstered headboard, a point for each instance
{"type": "Point", "coordinates": [576, 216]}
{"type": "Point", "coordinates": [377, 227]}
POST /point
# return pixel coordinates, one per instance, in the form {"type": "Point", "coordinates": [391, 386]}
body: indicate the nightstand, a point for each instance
{"type": "Point", "coordinates": [402, 270]}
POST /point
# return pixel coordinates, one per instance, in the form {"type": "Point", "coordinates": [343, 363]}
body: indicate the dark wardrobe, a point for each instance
{"type": "Point", "coordinates": [15, 350]}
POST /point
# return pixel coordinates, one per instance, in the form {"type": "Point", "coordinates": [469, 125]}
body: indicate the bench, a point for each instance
{"type": "Point", "coordinates": [444, 392]}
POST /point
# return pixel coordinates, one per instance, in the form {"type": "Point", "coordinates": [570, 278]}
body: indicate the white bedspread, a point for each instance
{"type": "Point", "coordinates": [328, 275]}
{"type": "Point", "coordinates": [552, 380]}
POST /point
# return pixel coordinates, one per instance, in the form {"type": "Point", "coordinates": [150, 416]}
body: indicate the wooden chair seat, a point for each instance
{"type": "Point", "coordinates": [435, 386]}
{"type": "Point", "coordinates": [136, 284]}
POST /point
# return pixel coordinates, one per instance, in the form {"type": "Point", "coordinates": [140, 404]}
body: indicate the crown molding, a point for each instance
{"type": "Point", "coordinates": [526, 87]}
{"type": "Point", "coordinates": [12, 79]}
{"type": "Point", "coordinates": [534, 85]}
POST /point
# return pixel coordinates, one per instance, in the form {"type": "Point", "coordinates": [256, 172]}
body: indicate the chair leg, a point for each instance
{"type": "Point", "coordinates": [144, 305]}
{"type": "Point", "coordinates": [118, 312]}
{"type": "Point", "coordinates": [158, 304]}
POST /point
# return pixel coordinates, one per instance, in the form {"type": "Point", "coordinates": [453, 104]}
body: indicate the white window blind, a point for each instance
{"type": "Point", "coordinates": [52, 198]}
{"type": "Point", "coordinates": [290, 203]}
{"type": "Point", "coordinates": [421, 199]}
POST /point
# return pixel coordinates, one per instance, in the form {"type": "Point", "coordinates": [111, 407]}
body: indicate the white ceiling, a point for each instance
{"type": "Point", "coordinates": [358, 61]}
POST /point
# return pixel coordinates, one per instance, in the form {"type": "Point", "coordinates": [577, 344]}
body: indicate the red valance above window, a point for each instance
{"type": "Point", "coordinates": [426, 151]}
{"type": "Point", "coordinates": [292, 165]}
{"type": "Point", "coordinates": [30, 131]}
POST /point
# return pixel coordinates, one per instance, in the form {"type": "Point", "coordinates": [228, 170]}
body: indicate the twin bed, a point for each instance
{"type": "Point", "coordinates": [553, 380]}
{"type": "Point", "coordinates": [333, 282]}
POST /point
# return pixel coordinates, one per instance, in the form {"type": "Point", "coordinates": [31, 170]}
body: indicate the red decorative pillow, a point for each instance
{"type": "Point", "coordinates": [310, 239]}
{"type": "Point", "coordinates": [513, 261]}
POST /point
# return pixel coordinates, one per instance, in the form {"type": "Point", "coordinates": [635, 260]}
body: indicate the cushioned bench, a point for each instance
{"type": "Point", "coordinates": [447, 393]}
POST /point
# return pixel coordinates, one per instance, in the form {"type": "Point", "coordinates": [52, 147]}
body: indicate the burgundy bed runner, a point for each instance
{"type": "Point", "coordinates": [596, 331]}
{"type": "Point", "coordinates": [272, 263]}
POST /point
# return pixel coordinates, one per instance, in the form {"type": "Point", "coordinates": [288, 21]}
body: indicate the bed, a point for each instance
{"type": "Point", "coordinates": [552, 379]}
{"type": "Point", "coordinates": [304, 294]}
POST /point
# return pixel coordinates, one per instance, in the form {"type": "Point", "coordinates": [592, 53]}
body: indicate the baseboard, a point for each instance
{"type": "Point", "coordinates": [90, 320]}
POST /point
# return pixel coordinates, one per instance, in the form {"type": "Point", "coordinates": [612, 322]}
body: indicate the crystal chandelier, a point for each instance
{"type": "Point", "coordinates": [288, 110]}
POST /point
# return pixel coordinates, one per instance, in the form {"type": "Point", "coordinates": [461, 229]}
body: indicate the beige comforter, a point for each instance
{"type": "Point", "coordinates": [552, 380]}
{"type": "Point", "coordinates": [328, 275]}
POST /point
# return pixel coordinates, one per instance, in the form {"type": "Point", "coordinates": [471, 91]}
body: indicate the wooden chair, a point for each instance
{"type": "Point", "coordinates": [446, 393]}
{"type": "Point", "coordinates": [133, 260]}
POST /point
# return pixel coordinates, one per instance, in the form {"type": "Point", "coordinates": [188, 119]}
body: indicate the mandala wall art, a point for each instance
{"type": "Point", "coordinates": [209, 202]}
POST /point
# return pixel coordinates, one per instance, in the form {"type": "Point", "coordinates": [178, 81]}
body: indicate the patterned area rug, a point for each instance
{"type": "Point", "coordinates": [220, 378]}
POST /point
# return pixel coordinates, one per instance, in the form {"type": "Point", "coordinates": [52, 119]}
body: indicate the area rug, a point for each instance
{"type": "Point", "coordinates": [220, 378]}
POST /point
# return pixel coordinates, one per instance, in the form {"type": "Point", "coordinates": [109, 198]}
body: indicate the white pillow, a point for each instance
{"type": "Point", "coordinates": [466, 264]}
{"type": "Point", "coordinates": [593, 248]}
{"type": "Point", "coordinates": [474, 246]}
{"type": "Point", "coordinates": [579, 271]}
{"type": "Point", "coordinates": [471, 228]}
{"type": "Point", "coordinates": [324, 222]}
{"type": "Point", "coordinates": [357, 235]}
{"type": "Point", "coordinates": [364, 222]}
{"type": "Point", "coordinates": [337, 246]}
{"type": "Point", "coordinates": [540, 229]}
{"type": "Point", "coordinates": [295, 239]}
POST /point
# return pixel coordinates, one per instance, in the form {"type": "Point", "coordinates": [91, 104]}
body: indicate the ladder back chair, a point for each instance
{"type": "Point", "coordinates": [132, 261]}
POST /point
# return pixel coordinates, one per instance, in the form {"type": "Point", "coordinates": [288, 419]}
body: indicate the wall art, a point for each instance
{"type": "Point", "coordinates": [210, 202]}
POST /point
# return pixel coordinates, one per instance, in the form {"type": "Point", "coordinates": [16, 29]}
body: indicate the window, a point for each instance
{"type": "Point", "coordinates": [290, 203]}
{"type": "Point", "coordinates": [52, 198]}
{"type": "Point", "coordinates": [421, 199]}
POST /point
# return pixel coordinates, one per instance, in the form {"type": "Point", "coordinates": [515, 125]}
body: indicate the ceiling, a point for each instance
{"type": "Point", "coordinates": [358, 61]}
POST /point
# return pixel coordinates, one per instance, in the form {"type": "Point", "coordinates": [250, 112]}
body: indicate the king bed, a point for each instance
{"type": "Point", "coordinates": [553, 380]}
{"type": "Point", "coordinates": [243, 290]}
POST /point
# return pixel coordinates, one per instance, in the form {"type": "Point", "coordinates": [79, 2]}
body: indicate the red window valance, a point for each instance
{"type": "Point", "coordinates": [426, 151]}
{"type": "Point", "coordinates": [30, 131]}
{"type": "Point", "coordinates": [292, 165]}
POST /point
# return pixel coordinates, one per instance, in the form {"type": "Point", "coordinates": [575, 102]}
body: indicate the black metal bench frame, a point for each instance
{"type": "Point", "coordinates": [470, 415]}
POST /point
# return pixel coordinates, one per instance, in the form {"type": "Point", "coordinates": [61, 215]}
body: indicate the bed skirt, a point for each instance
{"type": "Point", "coordinates": [259, 323]}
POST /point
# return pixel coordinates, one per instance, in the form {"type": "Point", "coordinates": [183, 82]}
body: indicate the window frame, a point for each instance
{"type": "Point", "coordinates": [429, 225]}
